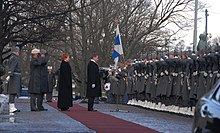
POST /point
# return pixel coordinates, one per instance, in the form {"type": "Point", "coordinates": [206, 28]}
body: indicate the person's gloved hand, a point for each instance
{"type": "Point", "coordinates": [93, 85]}
{"type": "Point", "coordinates": [205, 74]}
{"type": "Point", "coordinates": [166, 72]}
{"type": "Point", "coordinates": [7, 78]}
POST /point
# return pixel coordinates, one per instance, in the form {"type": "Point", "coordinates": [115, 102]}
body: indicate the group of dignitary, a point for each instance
{"type": "Point", "coordinates": [40, 82]}
{"type": "Point", "coordinates": [174, 80]}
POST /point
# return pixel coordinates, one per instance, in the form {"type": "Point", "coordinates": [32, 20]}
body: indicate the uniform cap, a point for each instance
{"type": "Point", "coordinates": [35, 51]}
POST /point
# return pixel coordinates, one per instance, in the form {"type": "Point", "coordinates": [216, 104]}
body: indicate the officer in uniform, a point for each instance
{"type": "Point", "coordinates": [141, 80]}
{"type": "Point", "coordinates": [130, 70]}
{"type": "Point", "coordinates": [176, 77]}
{"type": "Point", "coordinates": [193, 77]}
{"type": "Point", "coordinates": [154, 76]}
{"type": "Point", "coordinates": [14, 78]}
{"type": "Point", "coordinates": [202, 79]}
{"type": "Point", "coordinates": [216, 67]}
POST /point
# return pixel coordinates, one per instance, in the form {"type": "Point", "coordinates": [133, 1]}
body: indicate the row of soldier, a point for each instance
{"type": "Point", "coordinates": [177, 80]}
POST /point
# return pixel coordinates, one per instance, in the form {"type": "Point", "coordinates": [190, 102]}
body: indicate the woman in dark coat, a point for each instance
{"type": "Point", "coordinates": [93, 82]}
{"type": "Point", "coordinates": [65, 90]}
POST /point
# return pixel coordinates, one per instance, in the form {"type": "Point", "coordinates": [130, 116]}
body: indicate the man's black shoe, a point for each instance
{"type": "Point", "coordinates": [42, 109]}
{"type": "Point", "coordinates": [35, 110]}
{"type": "Point", "coordinates": [64, 109]}
{"type": "Point", "coordinates": [92, 110]}
{"type": "Point", "coordinates": [16, 111]}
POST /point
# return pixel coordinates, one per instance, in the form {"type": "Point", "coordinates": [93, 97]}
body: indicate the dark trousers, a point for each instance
{"type": "Point", "coordinates": [36, 101]}
{"type": "Point", "coordinates": [12, 98]}
{"type": "Point", "coordinates": [41, 98]}
{"type": "Point", "coordinates": [90, 103]}
{"type": "Point", "coordinates": [49, 96]}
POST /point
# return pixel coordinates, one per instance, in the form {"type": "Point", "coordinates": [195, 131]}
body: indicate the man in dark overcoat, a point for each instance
{"type": "Point", "coordinates": [34, 86]}
{"type": "Point", "coordinates": [14, 78]}
{"type": "Point", "coordinates": [93, 81]}
{"type": "Point", "coordinates": [43, 77]}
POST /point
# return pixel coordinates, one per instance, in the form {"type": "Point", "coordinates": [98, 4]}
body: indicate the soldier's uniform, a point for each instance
{"type": "Point", "coordinates": [114, 86]}
{"type": "Point", "coordinates": [148, 79]}
{"type": "Point", "coordinates": [193, 76]}
{"type": "Point", "coordinates": [215, 68]}
{"type": "Point", "coordinates": [202, 79]}
{"type": "Point", "coordinates": [160, 74]}
{"type": "Point", "coordinates": [162, 81]}
{"type": "Point", "coordinates": [14, 84]}
{"type": "Point", "coordinates": [170, 71]}
{"type": "Point", "coordinates": [141, 81]}
{"type": "Point", "coordinates": [184, 91]}
{"type": "Point", "coordinates": [135, 85]}
{"type": "Point", "coordinates": [153, 83]}
{"type": "Point", "coordinates": [130, 70]}
{"type": "Point", "coordinates": [177, 77]}
{"type": "Point", "coordinates": [209, 71]}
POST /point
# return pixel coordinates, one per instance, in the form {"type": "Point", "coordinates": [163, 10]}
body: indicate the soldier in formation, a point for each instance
{"type": "Point", "coordinates": [175, 80]}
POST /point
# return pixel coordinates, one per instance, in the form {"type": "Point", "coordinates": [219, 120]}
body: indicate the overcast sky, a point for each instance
{"type": "Point", "coordinates": [213, 7]}
{"type": "Point", "coordinates": [213, 18]}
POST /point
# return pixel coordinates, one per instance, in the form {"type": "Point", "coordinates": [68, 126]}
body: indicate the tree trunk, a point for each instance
{"type": "Point", "coordinates": [1, 31]}
{"type": "Point", "coordinates": [76, 64]}
{"type": "Point", "coordinates": [84, 47]}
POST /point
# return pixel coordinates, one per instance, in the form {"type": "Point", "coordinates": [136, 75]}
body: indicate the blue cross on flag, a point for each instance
{"type": "Point", "coordinates": [118, 50]}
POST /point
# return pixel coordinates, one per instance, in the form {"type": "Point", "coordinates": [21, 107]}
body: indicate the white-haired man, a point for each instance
{"type": "Point", "coordinates": [51, 83]}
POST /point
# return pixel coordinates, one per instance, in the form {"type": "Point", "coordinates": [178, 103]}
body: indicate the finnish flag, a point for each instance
{"type": "Point", "coordinates": [118, 50]}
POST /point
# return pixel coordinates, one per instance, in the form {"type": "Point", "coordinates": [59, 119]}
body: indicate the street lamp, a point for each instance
{"type": "Point", "coordinates": [195, 26]}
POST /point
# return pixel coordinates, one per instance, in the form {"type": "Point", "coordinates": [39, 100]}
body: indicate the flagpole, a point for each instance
{"type": "Point", "coordinates": [117, 54]}
{"type": "Point", "coordinates": [123, 59]}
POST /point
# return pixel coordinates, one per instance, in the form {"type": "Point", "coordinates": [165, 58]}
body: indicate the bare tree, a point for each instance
{"type": "Point", "coordinates": [26, 21]}
{"type": "Point", "coordinates": [81, 27]}
{"type": "Point", "coordinates": [216, 40]}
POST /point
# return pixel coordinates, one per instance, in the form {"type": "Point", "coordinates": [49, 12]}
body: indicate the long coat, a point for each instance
{"type": "Point", "coordinates": [202, 79]}
{"type": "Point", "coordinates": [93, 77]}
{"type": "Point", "coordinates": [65, 99]}
{"type": "Point", "coordinates": [14, 84]}
{"type": "Point", "coordinates": [51, 81]}
{"type": "Point", "coordinates": [35, 76]}
{"type": "Point", "coordinates": [44, 74]}
{"type": "Point", "coordinates": [130, 70]}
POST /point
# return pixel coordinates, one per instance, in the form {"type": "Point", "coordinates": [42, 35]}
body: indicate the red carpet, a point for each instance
{"type": "Point", "coordinates": [103, 123]}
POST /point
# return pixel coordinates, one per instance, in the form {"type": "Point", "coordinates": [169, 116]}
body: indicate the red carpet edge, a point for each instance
{"type": "Point", "coordinates": [103, 123]}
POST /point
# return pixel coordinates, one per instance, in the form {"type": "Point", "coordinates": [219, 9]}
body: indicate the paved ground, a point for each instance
{"type": "Point", "coordinates": [159, 121]}
{"type": "Point", "coordinates": [51, 121]}
{"type": "Point", "coordinates": [55, 121]}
